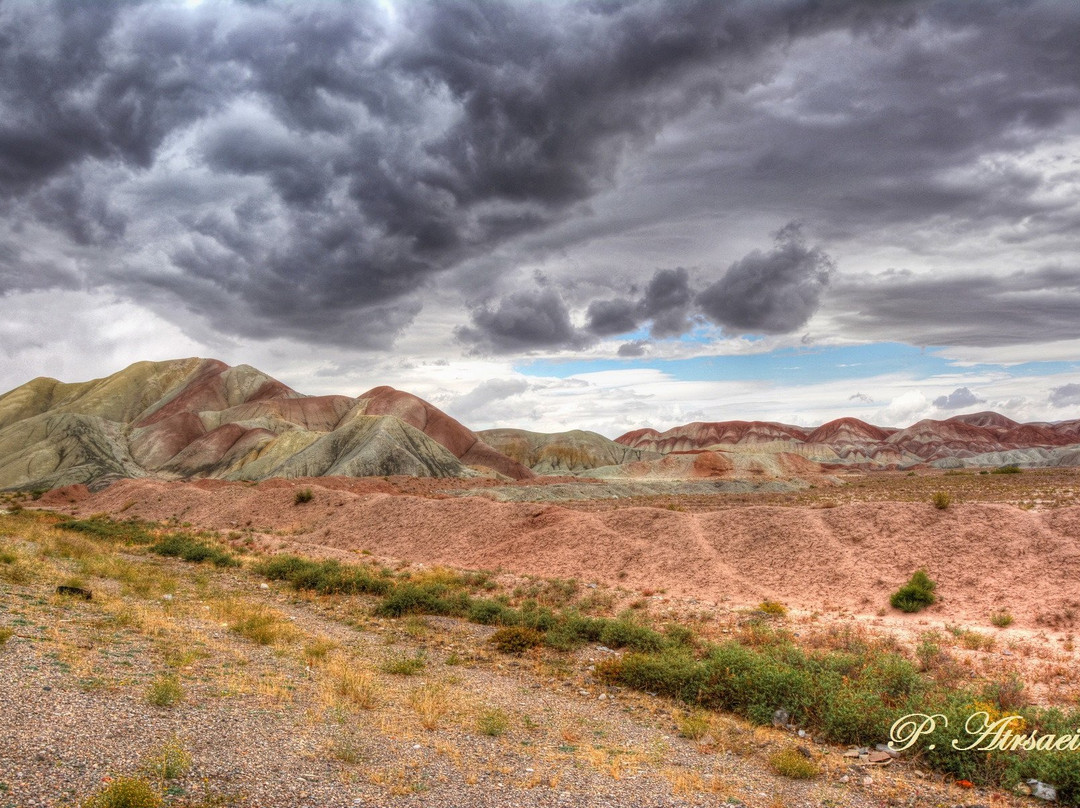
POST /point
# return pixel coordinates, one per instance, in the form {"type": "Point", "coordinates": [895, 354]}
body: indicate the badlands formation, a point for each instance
{"type": "Point", "coordinates": [832, 518]}
{"type": "Point", "coordinates": [199, 418]}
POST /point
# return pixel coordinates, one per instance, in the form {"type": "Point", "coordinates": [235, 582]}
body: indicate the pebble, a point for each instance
{"type": "Point", "coordinates": [868, 780]}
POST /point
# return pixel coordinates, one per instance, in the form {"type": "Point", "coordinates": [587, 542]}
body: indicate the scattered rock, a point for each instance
{"type": "Point", "coordinates": [1042, 791]}
{"type": "Point", "coordinates": [780, 718]}
{"type": "Point", "coordinates": [879, 757]}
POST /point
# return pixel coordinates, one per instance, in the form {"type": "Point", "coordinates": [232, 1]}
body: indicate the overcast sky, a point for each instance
{"type": "Point", "coordinates": [549, 215]}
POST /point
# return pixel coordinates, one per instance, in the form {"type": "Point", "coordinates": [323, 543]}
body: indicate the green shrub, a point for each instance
{"type": "Point", "coordinates": [772, 607]}
{"type": "Point", "coordinates": [915, 595]}
{"type": "Point", "coordinates": [493, 722]}
{"type": "Point", "coordinates": [1001, 619]}
{"type": "Point", "coordinates": [626, 634]}
{"type": "Point", "coordinates": [1012, 468]}
{"type": "Point", "coordinates": [424, 598]}
{"type": "Point", "coordinates": [516, 640]}
{"type": "Point", "coordinates": [790, 762]}
{"type": "Point", "coordinates": [325, 577]}
{"type": "Point", "coordinates": [694, 726]}
{"type": "Point", "coordinates": [170, 761]}
{"type": "Point", "coordinates": [165, 691]}
{"type": "Point", "coordinates": [125, 792]}
{"type": "Point", "coordinates": [188, 549]}
{"type": "Point", "coordinates": [302, 496]}
{"type": "Point", "coordinates": [491, 613]}
{"type": "Point", "coordinates": [130, 531]}
{"type": "Point", "coordinates": [5, 634]}
{"type": "Point", "coordinates": [941, 500]}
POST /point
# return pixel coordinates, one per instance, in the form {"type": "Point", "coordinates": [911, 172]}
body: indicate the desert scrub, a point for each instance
{"type": "Point", "coordinates": [303, 496]}
{"type": "Point", "coordinates": [431, 703]}
{"type": "Point", "coordinates": [125, 792]}
{"type": "Point", "coordinates": [404, 665]}
{"type": "Point", "coordinates": [772, 607]}
{"type": "Point", "coordinates": [1001, 619]}
{"type": "Point", "coordinates": [516, 640]}
{"type": "Point", "coordinates": [188, 549]}
{"type": "Point", "coordinates": [170, 761]}
{"type": "Point", "coordinates": [259, 624]}
{"type": "Point", "coordinates": [5, 634]}
{"type": "Point", "coordinates": [165, 691]}
{"type": "Point", "coordinates": [694, 726]}
{"type": "Point", "coordinates": [493, 722]}
{"type": "Point", "coordinates": [346, 681]}
{"type": "Point", "coordinates": [941, 500]}
{"type": "Point", "coordinates": [790, 762]}
{"type": "Point", "coordinates": [1012, 468]}
{"type": "Point", "coordinates": [325, 577]}
{"type": "Point", "coordinates": [916, 594]}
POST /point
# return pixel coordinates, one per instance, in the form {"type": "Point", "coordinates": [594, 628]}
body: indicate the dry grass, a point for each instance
{"type": "Point", "coordinates": [431, 702]}
{"type": "Point", "coordinates": [346, 682]}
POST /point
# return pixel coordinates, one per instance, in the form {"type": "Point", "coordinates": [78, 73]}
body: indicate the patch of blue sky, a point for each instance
{"type": "Point", "coordinates": [808, 365]}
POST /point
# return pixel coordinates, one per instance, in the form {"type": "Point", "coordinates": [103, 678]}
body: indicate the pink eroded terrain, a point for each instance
{"type": "Point", "coordinates": [984, 556]}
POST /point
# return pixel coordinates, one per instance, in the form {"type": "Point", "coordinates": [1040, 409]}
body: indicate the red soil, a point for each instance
{"type": "Point", "coordinates": [985, 557]}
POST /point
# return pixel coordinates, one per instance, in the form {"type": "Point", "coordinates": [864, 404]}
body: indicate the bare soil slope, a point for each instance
{"type": "Point", "coordinates": [984, 556]}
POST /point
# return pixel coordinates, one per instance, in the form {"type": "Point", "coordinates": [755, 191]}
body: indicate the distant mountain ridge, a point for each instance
{"type": "Point", "coordinates": [194, 418]}
{"type": "Point", "coordinates": [851, 441]}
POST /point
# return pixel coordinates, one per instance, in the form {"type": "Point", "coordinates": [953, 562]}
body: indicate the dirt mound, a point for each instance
{"type": "Point", "coordinates": [850, 557]}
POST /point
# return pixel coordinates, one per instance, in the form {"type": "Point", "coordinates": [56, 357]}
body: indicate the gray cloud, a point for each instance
{"type": "Point", "coordinates": [967, 309]}
{"type": "Point", "coordinates": [957, 399]}
{"type": "Point", "coordinates": [665, 304]}
{"type": "Point", "coordinates": [861, 397]}
{"type": "Point", "coordinates": [770, 293]}
{"type": "Point", "coordinates": [306, 170]}
{"type": "Point", "coordinates": [633, 349]}
{"type": "Point", "coordinates": [1068, 395]}
{"type": "Point", "coordinates": [522, 321]}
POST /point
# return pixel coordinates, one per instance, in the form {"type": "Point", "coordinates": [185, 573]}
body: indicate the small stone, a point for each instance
{"type": "Point", "coordinates": [780, 718]}
{"type": "Point", "coordinates": [884, 747]}
{"type": "Point", "coordinates": [264, 586]}
{"type": "Point", "coordinates": [602, 697]}
{"type": "Point", "coordinates": [868, 780]}
{"type": "Point", "coordinates": [806, 753]}
{"type": "Point", "coordinates": [880, 757]}
{"type": "Point", "coordinates": [166, 597]}
{"type": "Point", "coordinates": [851, 753]}
{"type": "Point", "coordinates": [802, 733]}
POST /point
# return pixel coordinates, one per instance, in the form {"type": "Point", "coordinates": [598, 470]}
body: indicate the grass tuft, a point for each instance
{"type": "Point", "coordinates": [916, 594]}
{"type": "Point", "coordinates": [165, 691]}
{"type": "Point", "coordinates": [125, 792]}
{"type": "Point", "coordinates": [790, 762]}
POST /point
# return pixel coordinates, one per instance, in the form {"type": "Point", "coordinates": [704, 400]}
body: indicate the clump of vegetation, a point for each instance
{"type": "Point", "coordinates": [325, 577]}
{"type": "Point", "coordinates": [129, 531]}
{"type": "Point", "coordinates": [941, 500]}
{"type": "Point", "coordinates": [790, 762]}
{"type": "Point", "coordinates": [431, 703]}
{"type": "Point", "coordinates": [189, 549]}
{"type": "Point", "coordinates": [403, 665]}
{"type": "Point", "coordinates": [165, 691]}
{"type": "Point", "coordinates": [125, 792]}
{"type": "Point", "coordinates": [694, 726]}
{"type": "Point", "coordinates": [303, 496]}
{"type": "Point", "coordinates": [1012, 468]}
{"type": "Point", "coordinates": [516, 640]}
{"type": "Point", "coordinates": [916, 594]}
{"type": "Point", "coordinates": [170, 761]}
{"type": "Point", "coordinates": [350, 683]}
{"type": "Point", "coordinates": [493, 722]}
{"type": "Point", "coordinates": [5, 634]}
{"type": "Point", "coordinates": [1001, 619]}
{"type": "Point", "coordinates": [260, 625]}
{"type": "Point", "coordinates": [772, 607]}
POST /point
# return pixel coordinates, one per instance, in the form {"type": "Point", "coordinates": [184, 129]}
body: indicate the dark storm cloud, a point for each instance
{"type": "Point", "coordinates": [522, 321]}
{"type": "Point", "coordinates": [302, 169]}
{"type": "Point", "coordinates": [958, 398]}
{"type": "Point", "coordinates": [665, 303]}
{"type": "Point", "coordinates": [377, 153]}
{"type": "Point", "coordinates": [1068, 395]}
{"type": "Point", "coordinates": [772, 292]}
{"type": "Point", "coordinates": [976, 310]}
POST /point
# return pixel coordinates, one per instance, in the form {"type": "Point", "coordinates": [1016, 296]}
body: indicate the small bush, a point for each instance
{"type": "Point", "coordinates": [325, 577]}
{"type": "Point", "coordinates": [261, 627]}
{"type": "Point", "coordinates": [491, 613]}
{"type": "Point", "coordinates": [772, 607]}
{"type": "Point", "coordinates": [5, 634]}
{"type": "Point", "coordinates": [403, 665]}
{"type": "Point", "coordinates": [130, 531]}
{"type": "Point", "coordinates": [165, 691]}
{"type": "Point", "coordinates": [424, 598]}
{"type": "Point", "coordinates": [302, 496]}
{"type": "Point", "coordinates": [516, 640]}
{"type": "Point", "coordinates": [125, 792]}
{"type": "Point", "coordinates": [1012, 468]}
{"type": "Point", "coordinates": [493, 723]}
{"type": "Point", "coordinates": [1001, 619]}
{"type": "Point", "coordinates": [170, 761]}
{"type": "Point", "coordinates": [187, 549]}
{"type": "Point", "coordinates": [431, 703]}
{"type": "Point", "coordinates": [941, 500]}
{"type": "Point", "coordinates": [694, 726]}
{"type": "Point", "coordinates": [792, 763]}
{"type": "Point", "coordinates": [915, 595]}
